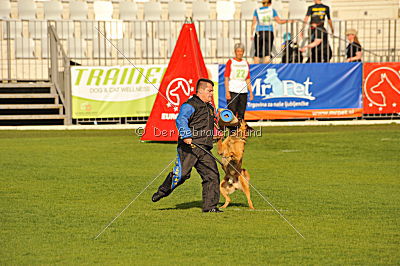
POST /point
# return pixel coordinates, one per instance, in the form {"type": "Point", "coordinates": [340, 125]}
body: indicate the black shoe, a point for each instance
{"type": "Point", "coordinates": [157, 196]}
{"type": "Point", "coordinates": [213, 210]}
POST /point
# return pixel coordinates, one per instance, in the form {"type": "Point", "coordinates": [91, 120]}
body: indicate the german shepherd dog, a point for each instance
{"type": "Point", "coordinates": [232, 150]}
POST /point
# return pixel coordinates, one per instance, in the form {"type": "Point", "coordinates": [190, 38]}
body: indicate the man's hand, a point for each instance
{"type": "Point", "coordinates": [251, 96]}
{"type": "Point", "coordinates": [228, 96]}
{"type": "Point", "coordinates": [253, 36]}
{"type": "Point", "coordinates": [302, 49]}
{"type": "Point", "coordinates": [188, 141]}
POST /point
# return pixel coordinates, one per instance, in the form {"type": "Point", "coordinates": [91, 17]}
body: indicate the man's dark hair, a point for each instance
{"type": "Point", "coordinates": [201, 82]}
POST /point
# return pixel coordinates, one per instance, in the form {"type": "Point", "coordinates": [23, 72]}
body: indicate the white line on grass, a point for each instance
{"type": "Point", "coordinates": [256, 210]}
{"type": "Point", "coordinates": [261, 195]}
{"type": "Point", "coordinates": [252, 124]}
{"type": "Point", "coordinates": [127, 206]}
{"type": "Point", "coordinates": [280, 214]}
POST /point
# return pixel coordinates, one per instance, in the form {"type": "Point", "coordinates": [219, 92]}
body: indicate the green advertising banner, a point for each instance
{"type": "Point", "coordinates": [119, 91]}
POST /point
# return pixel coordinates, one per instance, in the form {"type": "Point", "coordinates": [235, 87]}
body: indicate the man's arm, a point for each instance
{"type": "Point", "coordinates": [282, 21]}
{"type": "Point", "coordinates": [305, 20]}
{"type": "Point", "coordinates": [253, 27]}
{"type": "Point", "coordinates": [328, 15]}
{"type": "Point", "coordinates": [355, 58]}
{"type": "Point", "coordinates": [248, 82]}
{"type": "Point", "coordinates": [182, 122]}
{"type": "Point", "coordinates": [308, 14]}
{"type": "Point", "coordinates": [331, 25]}
{"type": "Point", "coordinates": [227, 93]}
{"type": "Point", "coordinates": [254, 24]}
{"type": "Point", "coordinates": [315, 43]}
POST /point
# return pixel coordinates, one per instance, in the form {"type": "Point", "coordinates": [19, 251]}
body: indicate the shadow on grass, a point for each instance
{"type": "Point", "coordinates": [197, 205]}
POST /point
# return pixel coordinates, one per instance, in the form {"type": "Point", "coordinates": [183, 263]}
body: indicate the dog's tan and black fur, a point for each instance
{"type": "Point", "coordinates": [232, 150]}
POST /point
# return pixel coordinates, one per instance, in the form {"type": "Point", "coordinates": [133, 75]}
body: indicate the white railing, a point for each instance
{"type": "Point", "coordinates": [24, 53]}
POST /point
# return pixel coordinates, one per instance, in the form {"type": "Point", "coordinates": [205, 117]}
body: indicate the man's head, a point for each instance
{"type": "Point", "coordinates": [317, 1]}
{"type": "Point", "coordinates": [205, 89]}
{"type": "Point", "coordinates": [266, 2]}
{"type": "Point", "coordinates": [239, 51]}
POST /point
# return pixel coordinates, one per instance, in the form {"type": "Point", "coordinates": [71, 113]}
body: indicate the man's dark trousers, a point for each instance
{"type": "Point", "coordinates": [207, 168]}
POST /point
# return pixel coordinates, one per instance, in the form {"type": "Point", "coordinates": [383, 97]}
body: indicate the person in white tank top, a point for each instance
{"type": "Point", "coordinates": [262, 30]}
{"type": "Point", "coordinates": [237, 82]}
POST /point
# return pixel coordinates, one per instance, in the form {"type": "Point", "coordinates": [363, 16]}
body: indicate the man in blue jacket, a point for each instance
{"type": "Point", "coordinates": [195, 124]}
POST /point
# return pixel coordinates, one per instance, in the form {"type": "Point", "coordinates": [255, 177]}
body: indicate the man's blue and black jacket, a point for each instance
{"type": "Point", "coordinates": [196, 121]}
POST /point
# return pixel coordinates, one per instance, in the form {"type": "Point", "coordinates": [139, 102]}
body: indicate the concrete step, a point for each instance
{"type": "Point", "coordinates": [26, 95]}
{"type": "Point", "coordinates": [31, 117]}
{"type": "Point", "coordinates": [30, 106]}
{"type": "Point", "coordinates": [25, 85]}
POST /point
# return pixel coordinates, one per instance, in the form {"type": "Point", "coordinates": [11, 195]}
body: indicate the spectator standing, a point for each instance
{"type": "Point", "coordinates": [263, 31]}
{"type": "Point", "coordinates": [237, 82]}
{"type": "Point", "coordinates": [320, 10]}
{"type": "Point", "coordinates": [354, 49]}
{"type": "Point", "coordinates": [321, 51]}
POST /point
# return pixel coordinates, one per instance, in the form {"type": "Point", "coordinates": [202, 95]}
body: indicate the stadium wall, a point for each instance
{"type": "Point", "coordinates": [282, 91]}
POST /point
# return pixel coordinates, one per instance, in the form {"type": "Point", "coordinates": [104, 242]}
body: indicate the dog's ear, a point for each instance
{"type": "Point", "coordinates": [249, 129]}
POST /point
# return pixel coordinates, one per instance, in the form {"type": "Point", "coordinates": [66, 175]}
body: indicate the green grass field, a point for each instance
{"type": "Point", "coordinates": [339, 186]}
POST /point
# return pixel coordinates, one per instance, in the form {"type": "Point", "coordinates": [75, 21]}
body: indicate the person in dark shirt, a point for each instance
{"type": "Point", "coordinates": [354, 49]}
{"type": "Point", "coordinates": [321, 10]}
{"type": "Point", "coordinates": [321, 51]}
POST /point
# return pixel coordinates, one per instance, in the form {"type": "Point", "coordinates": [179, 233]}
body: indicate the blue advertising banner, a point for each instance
{"type": "Point", "coordinates": [284, 91]}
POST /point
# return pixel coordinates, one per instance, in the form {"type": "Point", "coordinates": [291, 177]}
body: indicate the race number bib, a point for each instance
{"type": "Point", "coordinates": [240, 74]}
{"type": "Point", "coordinates": [265, 16]}
{"type": "Point", "coordinates": [239, 70]}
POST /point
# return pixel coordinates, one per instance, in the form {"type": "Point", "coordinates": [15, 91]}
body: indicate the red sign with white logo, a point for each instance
{"type": "Point", "coordinates": [381, 88]}
{"type": "Point", "coordinates": [186, 66]}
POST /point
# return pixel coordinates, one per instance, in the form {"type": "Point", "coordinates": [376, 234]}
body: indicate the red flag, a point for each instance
{"type": "Point", "coordinates": [185, 67]}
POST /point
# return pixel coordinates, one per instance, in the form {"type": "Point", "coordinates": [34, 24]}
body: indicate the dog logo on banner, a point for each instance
{"type": "Point", "coordinates": [381, 87]}
{"type": "Point", "coordinates": [173, 87]}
